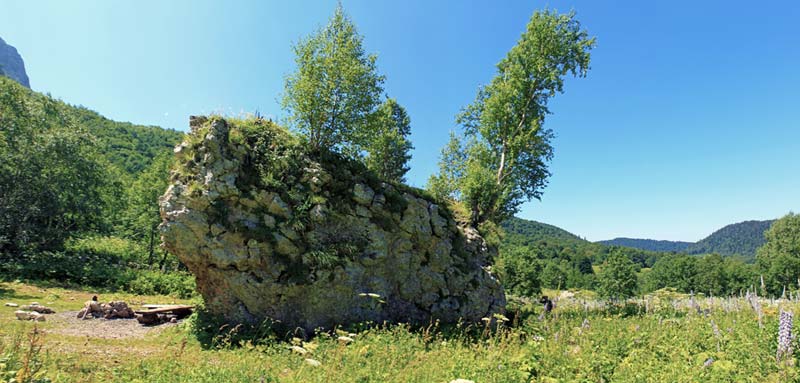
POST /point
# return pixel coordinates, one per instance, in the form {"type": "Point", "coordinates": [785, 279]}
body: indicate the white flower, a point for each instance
{"type": "Point", "coordinates": [313, 362]}
{"type": "Point", "coordinates": [299, 350]}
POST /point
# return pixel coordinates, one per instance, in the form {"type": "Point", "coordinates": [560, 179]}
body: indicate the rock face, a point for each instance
{"type": "Point", "coordinates": [313, 240]}
{"type": "Point", "coordinates": [11, 64]}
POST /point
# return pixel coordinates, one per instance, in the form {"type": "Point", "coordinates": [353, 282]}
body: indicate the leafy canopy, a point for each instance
{"type": "Point", "coordinates": [388, 148]}
{"type": "Point", "coordinates": [52, 180]}
{"type": "Point", "coordinates": [779, 258]}
{"type": "Point", "coordinates": [336, 87]}
{"type": "Point", "coordinates": [617, 278]}
{"type": "Point", "coordinates": [507, 147]}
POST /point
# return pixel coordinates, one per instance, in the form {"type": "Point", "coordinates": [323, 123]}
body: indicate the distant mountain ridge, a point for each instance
{"type": "Point", "coordinates": [11, 64]}
{"type": "Point", "coordinates": [649, 244]}
{"type": "Point", "coordinates": [742, 238]}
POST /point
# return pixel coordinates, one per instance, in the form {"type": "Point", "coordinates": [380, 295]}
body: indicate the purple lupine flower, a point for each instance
{"type": "Point", "coordinates": [785, 334]}
{"type": "Point", "coordinates": [715, 328]}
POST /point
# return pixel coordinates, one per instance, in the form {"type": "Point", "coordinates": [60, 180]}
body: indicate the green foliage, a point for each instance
{"type": "Point", "coordinates": [519, 271]}
{"type": "Point", "coordinates": [149, 282]}
{"type": "Point", "coordinates": [336, 87]}
{"type": "Point", "coordinates": [742, 238]}
{"type": "Point", "coordinates": [21, 357]}
{"type": "Point", "coordinates": [617, 278]}
{"type": "Point", "coordinates": [129, 147]}
{"type": "Point", "coordinates": [779, 258]}
{"type": "Point", "coordinates": [508, 147]}
{"type": "Point", "coordinates": [528, 232]}
{"type": "Point", "coordinates": [52, 180]}
{"type": "Point", "coordinates": [556, 258]}
{"type": "Point", "coordinates": [710, 274]}
{"type": "Point", "coordinates": [452, 167]}
{"type": "Point", "coordinates": [139, 217]}
{"type": "Point", "coordinates": [387, 146]}
{"type": "Point", "coordinates": [649, 244]}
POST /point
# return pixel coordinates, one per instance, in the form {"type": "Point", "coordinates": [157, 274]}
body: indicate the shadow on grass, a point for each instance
{"type": "Point", "coordinates": [213, 332]}
{"type": "Point", "coordinates": [8, 293]}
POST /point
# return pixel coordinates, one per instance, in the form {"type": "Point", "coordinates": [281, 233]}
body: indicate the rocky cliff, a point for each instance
{"type": "Point", "coordinates": [11, 64]}
{"type": "Point", "coordinates": [312, 240]}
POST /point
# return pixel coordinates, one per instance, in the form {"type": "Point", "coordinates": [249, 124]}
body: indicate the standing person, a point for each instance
{"type": "Point", "coordinates": [547, 306]}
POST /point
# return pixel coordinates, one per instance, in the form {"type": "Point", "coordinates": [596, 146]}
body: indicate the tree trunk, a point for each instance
{"type": "Point", "coordinates": [502, 166]}
{"type": "Point", "coordinates": [151, 255]}
{"type": "Point", "coordinates": [163, 260]}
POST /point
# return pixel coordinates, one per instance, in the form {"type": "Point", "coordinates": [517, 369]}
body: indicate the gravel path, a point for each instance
{"type": "Point", "coordinates": [67, 323]}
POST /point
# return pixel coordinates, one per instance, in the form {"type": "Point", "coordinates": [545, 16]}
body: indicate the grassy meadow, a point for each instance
{"type": "Point", "coordinates": [666, 337]}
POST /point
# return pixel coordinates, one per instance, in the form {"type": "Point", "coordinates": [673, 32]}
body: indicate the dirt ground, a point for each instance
{"type": "Point", "coordinates": [67, 323]}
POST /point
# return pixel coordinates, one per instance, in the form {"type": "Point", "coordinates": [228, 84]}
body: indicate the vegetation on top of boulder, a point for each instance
{"type": "Point", "coordinates": [334, 100]}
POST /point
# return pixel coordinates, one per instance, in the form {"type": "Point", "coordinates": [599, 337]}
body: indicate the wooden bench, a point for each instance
{"type": "Point", "coordinates": [153, 314]}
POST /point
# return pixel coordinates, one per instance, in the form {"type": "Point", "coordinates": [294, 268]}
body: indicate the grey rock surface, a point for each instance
{"type": "Point", "coordinates": [11, 64]}
{"type": "Point", "coordinates": [324, 247]}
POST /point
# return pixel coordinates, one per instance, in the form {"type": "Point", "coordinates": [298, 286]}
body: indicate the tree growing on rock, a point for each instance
{"type": "Point", "coordinates": [388, 148]}
{"type": "Point", "coordinates": [507, 147]}
{"type": "Point", "coordinates": [336, 87]}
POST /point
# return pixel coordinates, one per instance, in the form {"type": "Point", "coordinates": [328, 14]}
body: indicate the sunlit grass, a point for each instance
{"type": "Point", "coordinates": [668, 341]}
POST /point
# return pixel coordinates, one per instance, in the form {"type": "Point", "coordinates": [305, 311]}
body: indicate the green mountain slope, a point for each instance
{"type": "Point", "coordinates": [742, 238]}
{"type": "Point", "coordinates": [525, 232]}
{"type": "Point", "coordinates": [131, 147]}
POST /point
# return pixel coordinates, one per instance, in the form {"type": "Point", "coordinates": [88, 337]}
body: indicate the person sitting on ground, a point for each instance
{"type": "Point", "coordinates": [90, 307]}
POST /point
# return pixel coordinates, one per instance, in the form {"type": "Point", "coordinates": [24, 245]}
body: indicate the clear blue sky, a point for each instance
{"type": "Point", "coordinates": [687, 121]}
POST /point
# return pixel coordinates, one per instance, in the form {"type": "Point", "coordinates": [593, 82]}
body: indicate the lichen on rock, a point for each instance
{"type": "Point", "coordinates": [273, 231]}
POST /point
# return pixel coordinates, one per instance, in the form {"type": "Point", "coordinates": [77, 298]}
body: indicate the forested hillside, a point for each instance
{"type": "Point", "coordinates": [79, 195]}
{"type": "Point", "coordinates": [524, 231]}
{"type": "Point", "coordinates": [535, 255]}
{"type": "Point", "coordinates": [649, 244]}
{"type": "Point", "coordinates": [131, 147]}
{"type": "Point", "coordinates": [742, 238]}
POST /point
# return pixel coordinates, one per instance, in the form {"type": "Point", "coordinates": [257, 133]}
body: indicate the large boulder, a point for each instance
{"type": "Point", "coordinates": [274, 231]}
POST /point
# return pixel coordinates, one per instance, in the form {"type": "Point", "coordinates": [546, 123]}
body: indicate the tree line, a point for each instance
{"type": "Point", "coordinates": [619, 272]}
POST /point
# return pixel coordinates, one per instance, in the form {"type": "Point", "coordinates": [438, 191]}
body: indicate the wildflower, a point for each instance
{"type": "Point", "coordinates": [715, 328]}
{"type": "Point", "coordinates": [313, 362]}
{"type": "Point", "coordinates": [585, 324]}
{"type": "Point", "coordinates": [299, 350]}
{"type": "Point", "coordinates": [500, 317]}
{"type": "Point", "coordinates": [785, 335]}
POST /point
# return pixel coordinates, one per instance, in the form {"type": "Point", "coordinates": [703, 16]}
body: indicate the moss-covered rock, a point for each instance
{"type": "Point", "coordinates": [313, 239]}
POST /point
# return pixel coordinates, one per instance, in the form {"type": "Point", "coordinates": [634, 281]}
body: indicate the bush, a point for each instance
{"type": "Point", "coordinates": [100, 262]}
{"type": "Point", "coordinates": [147, 282]}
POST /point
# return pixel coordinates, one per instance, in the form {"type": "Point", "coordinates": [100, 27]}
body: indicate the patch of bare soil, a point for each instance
{"type": "Point", "coordinates": [67, 323]}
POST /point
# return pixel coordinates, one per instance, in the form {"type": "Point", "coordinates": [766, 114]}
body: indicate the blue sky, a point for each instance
{"type": "Point", "coordinates": [687, 121]}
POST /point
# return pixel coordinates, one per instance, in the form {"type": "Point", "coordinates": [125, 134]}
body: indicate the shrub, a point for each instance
{"type": "Point", "coordinates": [147, 282]}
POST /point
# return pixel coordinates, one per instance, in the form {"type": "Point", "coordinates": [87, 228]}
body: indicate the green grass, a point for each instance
{"type": "Point", "coordinates": [664, 340]}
